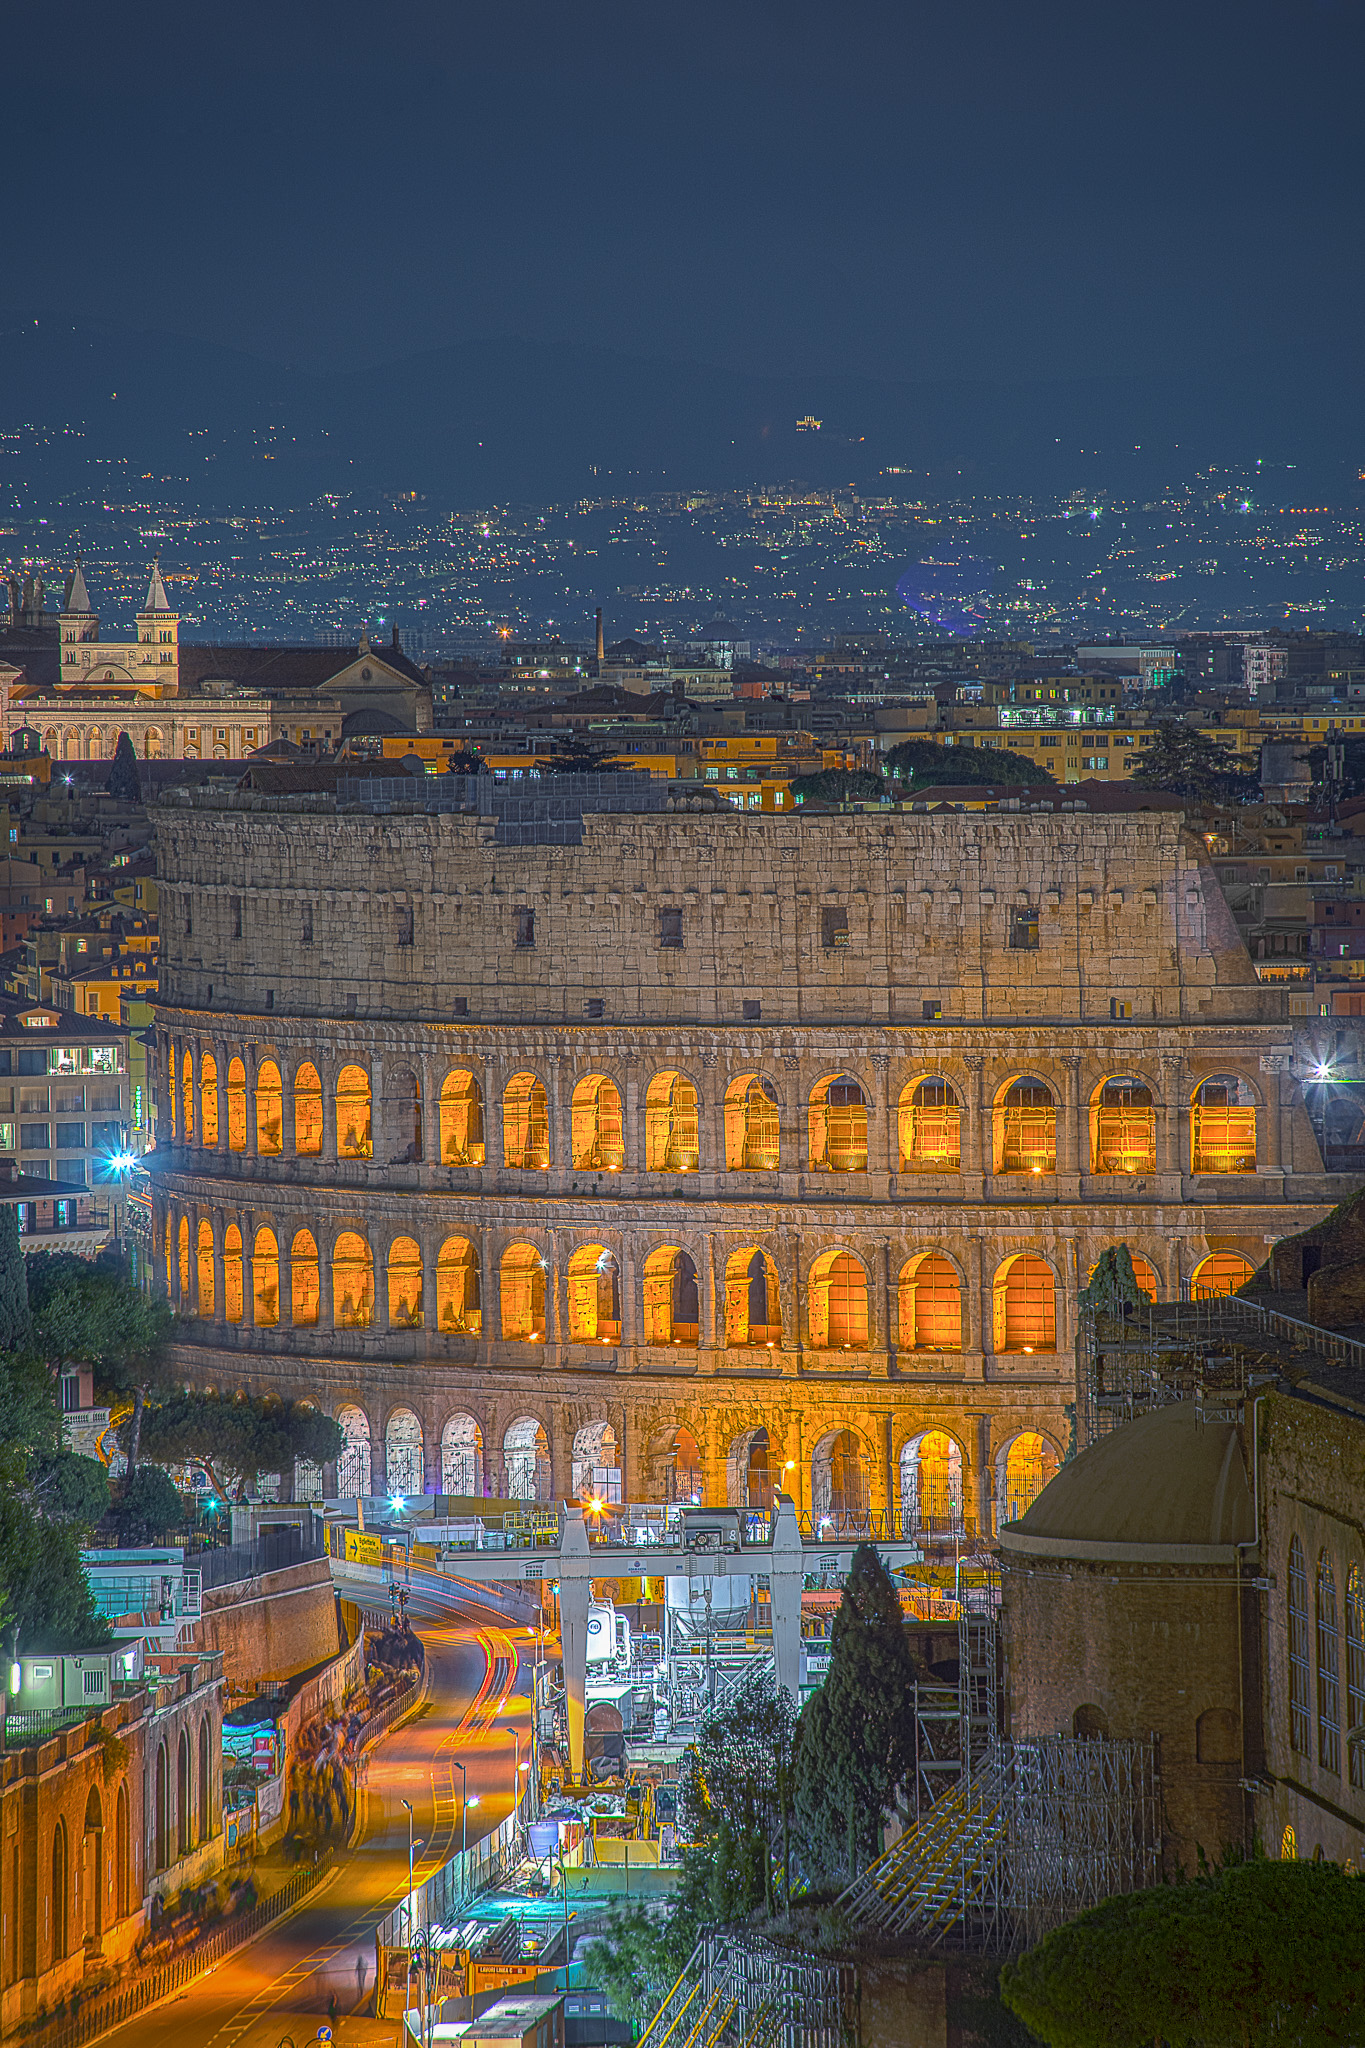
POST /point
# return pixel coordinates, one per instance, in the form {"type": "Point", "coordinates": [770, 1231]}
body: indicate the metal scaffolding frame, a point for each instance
{"type": "Point", "coordinates": [740, 1991]}
{"type": "Point", "coordinates": [1212, 1353]}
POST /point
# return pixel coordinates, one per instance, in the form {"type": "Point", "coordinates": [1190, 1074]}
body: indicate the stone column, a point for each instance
{"type": "Point", "coordinates": [326, 1301]}
{"type": "Point", "coordinates": [288, 1130]}
{"type": "Point", "coordinates": [493, 1081]}
{"type": "Point", "coordinates": [553, 1325]}
{"type": "Point", "coordinates": [883, 1151]}
{"type": "Point", "coordinates": [711, 1116]}
{"type": "Point", "coordinates": [890, 1307]}
{"type": "Point", "coordinates": [793, 1119]}
{"type": "Point", "coordinates": [1178, 1118]}
{"type": "Point", "coordinates": [381, 1124]}
{"type": "Point", "coordinates": [981, 1287]}
{"type": "Point", "coordinates": [251, 1061]}
{"type": "Point", "coordinates": [1073, 1158]}
{"type": "Point", "coordinates": [976, 1136]}
{"type": "Point", "coordinates": [632, 1124]}
{"type": "Point", "coordinates": [711, 1319]}
{"type": "Point", "coordinates": [219, 1303]}
{"type": "Point", "coordinates": [220, 1060]}
{"type": "Point", "coordinates": [1269, 1116]}
{"type": "Point", "coordinates": [327, 1073]}
{"type": "Point", "coordinates": [630, 1289]}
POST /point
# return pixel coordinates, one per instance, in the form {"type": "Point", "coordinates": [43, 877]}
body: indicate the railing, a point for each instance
{"type": "Point", "coordinates": [106, 2009]}
{"type": "Point", "coordinates": [469, 1872]}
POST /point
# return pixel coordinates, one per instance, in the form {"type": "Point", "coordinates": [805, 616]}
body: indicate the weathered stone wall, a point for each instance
{"type": "Point", "coordinates": [272, 1626]}
{"type": "Point", "coordinates": [297, 935]}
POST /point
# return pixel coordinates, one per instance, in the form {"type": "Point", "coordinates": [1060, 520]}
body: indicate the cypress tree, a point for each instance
{"type": "Point", "coordinates": [14, 1317]}
{"type": "Point", "coordinates": [123, 776]}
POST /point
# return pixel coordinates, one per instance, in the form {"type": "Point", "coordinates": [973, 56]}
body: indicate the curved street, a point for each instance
{"type": "Point", "coordinates": [477, 1693]}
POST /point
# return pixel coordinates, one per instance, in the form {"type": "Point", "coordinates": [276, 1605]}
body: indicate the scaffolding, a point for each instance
{"type": "Point", "coordinates": [1041, 1830]}
{"type": "Point", "coordinates": [1213, 1353]}
{"type": "Point", "coordinates": [740, 1991]}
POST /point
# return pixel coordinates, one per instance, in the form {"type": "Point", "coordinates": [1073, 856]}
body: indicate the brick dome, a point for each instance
{"type": "Point", "coordinates": [1167, 1483]}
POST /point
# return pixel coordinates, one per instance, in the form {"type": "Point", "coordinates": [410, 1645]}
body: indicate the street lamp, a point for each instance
{"type": "Point", "coordinates": [412, 1909]}
{"type": "Point", "coordinates": [465, 1803]}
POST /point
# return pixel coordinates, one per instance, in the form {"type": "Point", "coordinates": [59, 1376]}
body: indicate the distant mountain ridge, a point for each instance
{"type": "Point", "coordinates": [485, 422]}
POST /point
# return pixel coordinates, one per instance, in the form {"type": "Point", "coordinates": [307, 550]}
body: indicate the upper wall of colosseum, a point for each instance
{"type": "Point", "coordinates": [286, 905]}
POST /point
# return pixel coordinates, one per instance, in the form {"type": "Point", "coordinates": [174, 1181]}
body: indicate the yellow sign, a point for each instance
{"type": "Point", "coordinates": [362, 1549]}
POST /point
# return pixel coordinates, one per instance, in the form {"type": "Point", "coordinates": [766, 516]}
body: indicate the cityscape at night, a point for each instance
{"type": "Point", "coordinates": [682, 1027]}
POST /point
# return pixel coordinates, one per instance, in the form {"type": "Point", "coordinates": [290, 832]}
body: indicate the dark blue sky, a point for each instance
{"type": "Point", "coordinates": [977, 188]}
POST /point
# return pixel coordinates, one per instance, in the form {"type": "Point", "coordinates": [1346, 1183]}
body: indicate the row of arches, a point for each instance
{"type": "Point", "coordinates": [1326, 1663]}
{"type": "Point", "coordinates": [84, 1900]}
{"type": "Point", "coordinates": [929, 1468]}
{"type": "Point", "coordinates": [930, 1121]}
{"type": "Point", "coordinates": [267, 1284]}
{"type": "Point", "coordinates": [182, 1797]}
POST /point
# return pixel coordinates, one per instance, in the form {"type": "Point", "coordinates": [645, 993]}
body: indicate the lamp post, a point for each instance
{"type": "Point", "coordinates": [412, 1846]}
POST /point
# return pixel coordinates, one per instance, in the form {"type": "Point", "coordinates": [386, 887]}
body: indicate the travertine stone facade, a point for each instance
{"type": "Point", "coordinates": [1007, 968]}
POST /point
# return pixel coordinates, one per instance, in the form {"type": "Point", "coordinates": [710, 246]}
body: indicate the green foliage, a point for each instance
{"type": "Point", "coordinates": [14, 1311]}
{"type": "Point", "coordinates": [1188, 763]}
{"type": "Point", "coordinates": [235, 1439]}
{"type": "Point", "coordinates": [1113, 1284]}
{"type": "Point", "coordinates": [855, 1739]}
{"type": "Point", "coordinates": [148, 1506]}
{"type": "Point", "coordinates": [43, 1588]}
{"type": "Point", "coordinates": [643, 1949]}
{"type": "Point", "coordinates": [839, 786]}
{"type": "Point", "coordinates": [1257, 1952]}
{"type": "Point", "coordinates": [89, 1312]}
{"type": "Point", "coordinates": [71, 1488]}
{"type": "Point", "coordinates": [923, 764]}
{"type": "Point", "coordinates": [123, 777]}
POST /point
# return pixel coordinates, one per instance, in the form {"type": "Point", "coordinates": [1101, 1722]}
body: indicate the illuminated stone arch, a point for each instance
{"type": "Point", "coordinates": [596, 1462]}
{"type": "Point", "coordinates": [352, 1282]}
{"type": "Point", "coordinates": [459, 1306]}
{"type": "Point", "coordinates": [526, 1460]}
{"type": "Point", "coordinates": [404, 1471]}
{"type": "Point", "coordinates": [752, 1125]}
{"type": "Point", "coordinates": [672, 1297]}
{"type": "Point", "coordinates": [307, 1110]}
{"type": "Point", "coordinates": [929, 1299]}
{"type": "Point", "coordinates": [753, 1300]}
{"type": "Point", "coordinates": [1223, 1124]}
{"type": "Point", "coordinates": [521, 1275]}
{"type": "Point", "coordinates": [354, 1136]}
{"type": "Point", "coordinates": [1024, 1304]}
{"type": "Point", "coordinates": [597, 1140]}
{"type": "Point", "coordinates": [405, 1284]}
{"type": "Point", "coordinates": [526, 1124]}
{"type": "Point", "coordinates": [354, 1464]}
{"type": "Point", "coordinates": [305, 1281]}
{"type": "Point", "coordinates": [1122, 1126]}
{"type": "Point", "coordinates": [837, 1302]}
{"type": "Point", "coordinates": [205, 1264]}
{"type": "Point", "coordinates": [236, 1105]}
{"type": "Point", "coordinates": [1025, 1127]}
{"type": "Point", "coordinates": [842, 1466]}
{"type": "Point", "coordinates": [672, 1138]}
{"type": "Point", "coordinates": [1023, 1467]}
{"type": "Point", "coordinates": [594, 1296]}
{"type": "Point", "coordinates": [837, 1125]}
{"type": "Point", "coordinates": [232, 1274]}
{"type": "Point", "coordinates": [269, 1110]}
{"type": "Point", "coordinates": [462, 1456]}
{"type": "Point", "coordinates": [931, 1468]}
{"type": "Point", "coordinates": [183, 1261]}
{"type": "Point", "coordinates": [208, 1102]}
{"type": "Point", "coordinates": [265, 1278]}
{"type": "Point", "coordinates": [461, 1116]}
{"type": "Point", "coordinates": [929, 1126]}
{"type": "Point", "coordinates": [1220, 1274]}
{"type": "Point", "coordinates": [753, 1469]}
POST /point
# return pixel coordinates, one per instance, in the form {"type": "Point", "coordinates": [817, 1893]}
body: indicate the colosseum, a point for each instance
{"type": "Point", "coordinates": [695, 1156]}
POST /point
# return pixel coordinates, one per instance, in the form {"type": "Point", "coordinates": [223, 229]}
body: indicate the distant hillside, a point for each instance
{"type": "Point", "coordinates": [485, 421]}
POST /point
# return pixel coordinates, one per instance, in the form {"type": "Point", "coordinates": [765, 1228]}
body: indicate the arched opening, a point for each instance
{"type": "Point", "coordinates": [269, 1110]}
{"type": "Point", "coordinates": [232, 1274]}
{"type": "Point", "coordinates": [1025, 1302]}
{"type": "Point", "coordinates": [672, 1143]}
{"type": "Point", "coordinates": [931, 1484]}
{"type": "Point", "coordinates": [183, 1262]}
{"type": "Point", "coordinates": [405, 1284]}
{"type": "Point", "coordinates": [405, 1112]}
{"type": "Point", "coordinates": [1022, 1470]}
{"type": "Point", "coordinates": [305, 1281]}
{"type": "Point", "coordinates": [208, 1101]}
{"type": "Point", "coordinates": [1026, 1129]}
{"type": "Point", "coordinates": [526, 1460]}
{"type": "Point", "coordinates": [1299, 1667]}
{"type": "Point", "coordinates": [596, 1464]}
{"type": "Point", "coordinates": [352, 1282]}
{"type": "Point", "coordinates": [122, 1853]}
{"type": "Point", "coordinates": [672, 1297]}
{"type": "Point", "coordinates": [236, 1106]}
{"type": "Point", "coordinates": [1220, 1274]}
{"type": "Point", "coordinates": [930, 1128]}
{"type": "Point", "coordinates": [1218, 1736]}
{"type": "Point", "coordinates": [204, 1262]}
{"type": "Point", "coordinates": [1122, 1127]}
{"type": "Point", "coordinates": [462, 1141]}
{"type": "Point", "coordinates": [750, 1470]}
{"type": "Point", "coordinates": [683, 1474]}
{"type": "Point", "coordinates": [753, 1303]}
{"type": "Point", "coordinates": [594, 1296]}
{"type": "Point", "coordinates": [840, 1481]}
{"type": "Point", "coordinates": [307, 1475]}
{"type": "Point", "coordinates": [1355, 1673]}
{"type": "Point", "coordinates": [152, 743]}
{"type": "Point", "coordinates": [61, 1904]}
{"type": "Point", "coordinates": [353, 1114]}
{"type": "Point", "coordinates": [161, 1819]}
{"type": "Point", "coordinates": [459, 1307]}
{"type": "Point", "coordinates": [353, 1466]}
{"type": "Point", "coordinates": [598, 1144]}
{"type": "Point", "coordinates": [1329, 1667]}
{"type": "Point", "coordinates": [187, 1098]}
{"type": "Point", "coordinates": [1144, 1272]}
{"type": "Point", "coordinates": [930, 1303]}
{"type": "Point", "coordinates": [462, 1457]}
{"type": "Point", "coordinates": [752, 1125]}
{"type": "Point", "coordinates": [265, 1279]}
{"type": "Point", "coordinates": [307, 1110]}
{"type": "Point", "coordinates": [526, 1124]}
{"type": "Point", "coordinates": [838, 1126]}
{"type": "Point", "coordinates": [172, 1094]}
{"type": "Point", "coordinates": [522, 1280]}
{"type": "Point", "coordinates": [1223, 1126]}
{"type": "Point", "coordinates": [1090, 1723]}
{"type": "Point", "coordinates": [836, 1303]}
{"type": "Point", "coordinates": [205, 1781]}
{"type": "Point", "coordinates": [404, 1473]}
{"type": "Point", "coordinates": [92, 1867]}
{"type": "Point", "coordinates": [184, 1796]}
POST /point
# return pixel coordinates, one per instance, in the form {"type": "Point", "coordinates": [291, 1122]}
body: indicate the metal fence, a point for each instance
{"type": "Point", "coordinates": [274, 1551]}
{"type": "Point", "coordinates": [469, 1872]}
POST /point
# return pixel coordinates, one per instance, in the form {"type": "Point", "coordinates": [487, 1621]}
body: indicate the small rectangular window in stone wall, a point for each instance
{"type": "Point", "coordinates": [306, 935]}
{"type": "Point", "coordinates": [833, 927]}
{"type": "Point", "coordinates": [1023, 931]}
{"type": "Point", "coordinates": [671, 929]}
{"type": "Point", "coordinates": [71, 1137]}
{"type": "Point", "coordinates": [33, 1137]}
{"type": "Point", "coordinates": [405, 922]}
{"type": "Point", "coordinates": [526, 927]}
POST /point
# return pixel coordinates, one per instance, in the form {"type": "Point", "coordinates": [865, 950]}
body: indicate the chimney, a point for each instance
{"type": "Point", "coordinates": [601, 649]}
{"type": "Point", "coordinates": [396, 641]}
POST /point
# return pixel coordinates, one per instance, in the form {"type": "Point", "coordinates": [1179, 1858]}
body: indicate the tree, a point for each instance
{"type": "Point", "coordinates": [90, 1313]}
{"type": "Point", "coordinates": [839, 786]}
{"type": "Point", "coordinates": [237, 1438]}
{"type": "Point", "coordinates": [72, 1488]}
{"type": "Point", "coordinates": [1188, 763]}
{"type": "Point", "coordinates": [855, 1739]}
{"type": "Point", "coordinates": [14, 1310]}
{"type": "Point", "coordinates": [44, 1591]}
{"type": "Point", "coordinates": [737, 1792]}
{"type": "Point", "coordinates": [1254, 1952]}
{"type": "Point", "coordinates": [148, 1506]}
{"type": "Point", "coordinates": [124, 784]}
{"type": "Point", "coordinates": [924, 764]}
{"type": "Point", "coordinates": [1113, 1285]}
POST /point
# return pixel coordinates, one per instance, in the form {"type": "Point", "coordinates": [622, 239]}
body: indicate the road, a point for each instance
{"type": "Point", "coordinates": [474, 1700]}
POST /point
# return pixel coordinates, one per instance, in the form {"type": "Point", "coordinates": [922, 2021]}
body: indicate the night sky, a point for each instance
{"type": "Point", "coordinates": [893, 190]}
